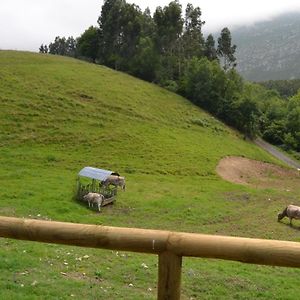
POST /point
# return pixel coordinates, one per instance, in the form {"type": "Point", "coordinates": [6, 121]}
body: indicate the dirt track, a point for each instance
{"type": "Point", "coordinates": [256, 173]}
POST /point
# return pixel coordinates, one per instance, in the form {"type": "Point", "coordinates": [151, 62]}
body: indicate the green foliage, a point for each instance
{"type": "Point", "coordinates": [246, 116]}
{"type": "Point", "coordinates": [285, 88]}
{"type": "Point", "coordinates": [88, 44]}
{"type": "Point", "coordinates": [279, 119]}
{"type": "Point", "coordinates": [226, 50]}
{"type": "Point", "coordinates": [210, 50]}
{"type": "Point", "coordinates": [168, 29]}
{"type": "Point", "coordinates": [293, 123]}
{"type": "Point", "coordinates": [110, 25]}
{"type": "Point", "coordinates": [192, 38]}
{"type": "Point", "coordinates": [145, 61]}
{"type": "Point", "coordinates": [221, 93]}
{"type": "Point", "coordinates": [168, 26]}
{"type": "Point", "coordinates": [63, 46]}
{"type": "Point", "coordinates": [120, 26]}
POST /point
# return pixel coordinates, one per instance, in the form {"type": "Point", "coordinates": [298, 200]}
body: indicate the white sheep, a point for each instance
{"type": "Point", "coordinates": [94, 198]}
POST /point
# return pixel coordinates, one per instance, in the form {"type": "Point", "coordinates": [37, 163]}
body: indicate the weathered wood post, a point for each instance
{"type": "Point", "coordinates": [169, 276]}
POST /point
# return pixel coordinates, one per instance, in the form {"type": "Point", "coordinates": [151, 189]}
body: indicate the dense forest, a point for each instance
{"type": "Point", "coordinates": [169, 49]}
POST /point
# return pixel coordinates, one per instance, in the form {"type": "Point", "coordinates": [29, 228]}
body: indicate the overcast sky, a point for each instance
{"type": "Point", "coordinates": [25, 25]}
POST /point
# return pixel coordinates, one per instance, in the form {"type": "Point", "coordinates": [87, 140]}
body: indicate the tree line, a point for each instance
{"type": "Point", "coordinates": [169, 49]}
{"type": "Point", "coordinates": [279, 117]}
{"type": "Point", "coordinates": [285, 88]}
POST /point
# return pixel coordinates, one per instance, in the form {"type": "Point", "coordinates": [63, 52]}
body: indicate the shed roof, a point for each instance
{"type": "Point", "coordinates": [95, 173]}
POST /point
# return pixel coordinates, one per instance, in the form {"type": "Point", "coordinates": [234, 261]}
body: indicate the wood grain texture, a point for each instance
{"type": "Point", "coordinates": [169, 276]}
{"type": "Point", "coordinates": [256, 251]}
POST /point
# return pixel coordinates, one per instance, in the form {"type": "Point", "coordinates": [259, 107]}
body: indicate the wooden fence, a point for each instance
{"type": "Point", "coordinates": [169, 246]}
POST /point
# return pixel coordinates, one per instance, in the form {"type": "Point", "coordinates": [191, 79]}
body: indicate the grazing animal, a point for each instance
{"type": "Point", "coordinates": [291, 211]}
{"type": "Point", "coordinates": [115, 180]}
{"type": "Point", "coordinates": [94, 198]}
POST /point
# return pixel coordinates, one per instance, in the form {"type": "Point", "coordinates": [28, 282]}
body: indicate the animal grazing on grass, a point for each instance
{"type": "Point", "coordinates": [291, 211]}
{"type": "Point", "coordinates": [94, 198]}
{"type": "Point", "coordinates": [115, 180]}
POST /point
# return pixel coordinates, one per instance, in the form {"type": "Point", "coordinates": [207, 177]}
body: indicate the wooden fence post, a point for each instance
{"type": "Point", "coordinates": [169, 276]}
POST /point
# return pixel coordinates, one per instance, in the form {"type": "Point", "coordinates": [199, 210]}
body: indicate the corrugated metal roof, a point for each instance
{"type": "Point", "coordinates": [95, 173]}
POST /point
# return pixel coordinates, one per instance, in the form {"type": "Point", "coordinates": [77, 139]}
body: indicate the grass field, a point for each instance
{"type": "Point", "coordinates": [58, 115]}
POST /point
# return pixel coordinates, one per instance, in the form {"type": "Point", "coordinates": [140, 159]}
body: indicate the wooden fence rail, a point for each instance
{"type": "Point", "coordinates": [169, 246]}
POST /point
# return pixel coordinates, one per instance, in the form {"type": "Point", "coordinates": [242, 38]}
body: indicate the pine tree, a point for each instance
{"type": "Point", "coordinates": [210, 50]}
{"type": "Point", "coordinates": [225, 50]}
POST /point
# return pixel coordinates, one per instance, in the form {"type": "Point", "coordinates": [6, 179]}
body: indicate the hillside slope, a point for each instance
{"type": "Point", "coordinates": [58, 115]}
{"type": "Point", "coordinates": [269, 50]}
{"type": "Point", "coordinates": [110, 118]}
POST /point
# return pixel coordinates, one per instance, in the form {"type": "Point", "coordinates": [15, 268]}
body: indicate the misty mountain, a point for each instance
{"type": "Point", "coordinates": [270, 49]}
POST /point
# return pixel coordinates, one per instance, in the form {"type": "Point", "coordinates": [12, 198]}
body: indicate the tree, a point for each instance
{"type": "Point", "coordinates": [286, 88]}
{"type": "Point", "coordinates": [53, 46]}
{"type": "Point", "coordinates": [293, 122]}
{"type": "Point", "coordinates": [145, 60]}
{"type": "Point", "coordinates": [247, 116]}
{"type": "Point", "coordinates": [41, 49]}
{"type": "Point", "coordinates": [293, 116]}
{"type": "Point", "coordinates": [275, 131]}
{"type": "Point", "coordinates": [209, 48]}
{"type": "Point", "coordinates": [110, 32]}
{"type": "Point", "coordinates": [62, 46]}
{"type": "Point", "coordinates": [225, 50]}
{"type": "Point", "coordinates": [147, 24]}
{"type": "Point", "coordinates": [88, 44]}
{"type": "Point", "coordinates": [120, 28]}
{"type": "Point", "coordinates": [131, 29]}
{"type": "Point", "coordinates": [193, 41]}
{"type": "Point", "coordinates": [168, 29]}
{"type": "Point", "coordinates": [169, 25]}
{"type": "Point", "coordinates": [71, 46]}
{"type": "Point", "coordinates": [205, 84]}
{"type": "Point", "coordinates": [59, 46]}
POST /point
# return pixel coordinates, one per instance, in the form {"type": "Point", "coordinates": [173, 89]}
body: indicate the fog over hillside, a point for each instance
{"type": "Point", "coordinates": [269, 50]}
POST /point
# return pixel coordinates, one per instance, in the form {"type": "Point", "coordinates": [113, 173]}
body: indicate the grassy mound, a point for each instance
{"type": "Point", "coordinates": [58, 115]}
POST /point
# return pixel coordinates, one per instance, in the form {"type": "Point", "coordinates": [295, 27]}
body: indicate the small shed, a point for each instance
{"type": "Point", "coordinates": [90, 179]}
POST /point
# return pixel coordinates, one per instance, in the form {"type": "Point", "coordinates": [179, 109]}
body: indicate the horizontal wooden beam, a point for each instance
{"type": "Point", "coordinates": [256, 251]}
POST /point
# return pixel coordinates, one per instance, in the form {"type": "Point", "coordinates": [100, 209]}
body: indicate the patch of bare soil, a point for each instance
{"type": "Point", "coordinates": [82, 276]}
{"type": "Point", "coordinates": [256, 173]}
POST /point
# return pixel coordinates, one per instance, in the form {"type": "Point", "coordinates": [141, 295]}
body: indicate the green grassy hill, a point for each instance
{"type": "Point", "coordinates": [58, 115]}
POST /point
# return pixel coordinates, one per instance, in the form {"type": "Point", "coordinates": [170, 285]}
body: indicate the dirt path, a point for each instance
{"type": "Point", "coordinates": [281, 156]}
{"type": "Point", "coordinates": [257, 173]}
